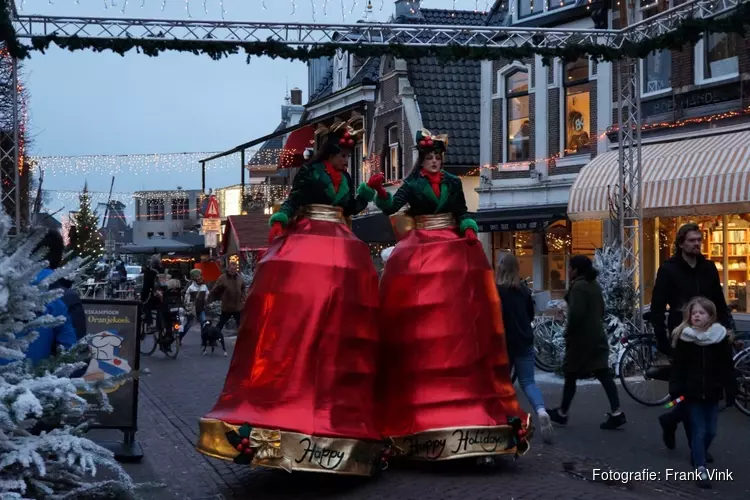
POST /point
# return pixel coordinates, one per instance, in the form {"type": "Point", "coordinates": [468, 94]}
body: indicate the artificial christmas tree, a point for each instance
{"type": "Point", "coordinates": [43, 451]}
{"type": "Point", "coordinates": [88, 242]}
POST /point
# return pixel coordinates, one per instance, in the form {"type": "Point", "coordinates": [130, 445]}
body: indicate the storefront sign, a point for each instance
{"type": "Point", "coordinates": [690, 100]}
{"type": "Point", "coordinates": [526, 225]}
{"type": "Point", "coordinates": [114, 351]}
{"type": "Point", "coordinates": [211, 225]}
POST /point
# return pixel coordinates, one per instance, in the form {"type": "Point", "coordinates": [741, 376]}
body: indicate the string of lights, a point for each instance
{"type": "Point", "coordinates": [158, 162]}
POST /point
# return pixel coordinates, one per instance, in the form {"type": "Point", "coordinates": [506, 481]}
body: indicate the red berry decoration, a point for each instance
{"type": "Point", "coordinates": [240, 447]}
{"type": "Point", "coordinates": [342, 141]}
{"type": "Point", "coordinates": [522, 433]}
{"type": "Point", "coordinates": [350, 142]}
{"type": "Point", "coordinates": [429, 142]}
{"type": "Point", "coordinates": [245, 442]}
{"type": "Point", "coordinates": [423, 143]}
{"type": "Point", "coordinates": [346, 134]}
{"type": "Point", "coordinates": [248, 451]}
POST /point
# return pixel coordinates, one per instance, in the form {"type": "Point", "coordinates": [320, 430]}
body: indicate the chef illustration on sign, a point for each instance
{"type": "Point", "coordinates": [105, 361]}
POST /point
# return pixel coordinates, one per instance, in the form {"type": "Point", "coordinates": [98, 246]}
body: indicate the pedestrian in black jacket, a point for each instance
{"type": "Point", "coordinates": [518, 313]}
{"type": "Point", "coordinates": [702, 373]}
{"type": "Point", "coordinates": [682, 277]}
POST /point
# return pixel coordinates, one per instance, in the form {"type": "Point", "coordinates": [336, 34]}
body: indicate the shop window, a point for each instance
{"type": "Point", "coordinates": [577, 111]}
{"type": "Point", "coordinates": [155, 209]}
{"type": "Point", "coordinates": [180, 209]}
{"type": "Point", "coordinates": [526, 8]}
{"type": "Point", "coordinates": [394, 169]}
{"type": "Point", "coordinates": [556, 251]}
{"type": "Point", "coordinates": [518, 126]}
{"type": "Point", "coordinates": [586, 237]}
{"type": "Point", "coordinates": [657, 66]}
{"type": "Point", "coordinates": [716, 57]}
{"type": "Point", "coordinates": [558, 4]}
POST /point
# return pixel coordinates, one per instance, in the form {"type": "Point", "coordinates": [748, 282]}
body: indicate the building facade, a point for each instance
{"type": "Point", "coordinates": [165, 213]}
{"type": "Point", "coordinates": [695, 155]}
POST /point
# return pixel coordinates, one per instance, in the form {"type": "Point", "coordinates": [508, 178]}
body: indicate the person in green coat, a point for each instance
{"type": "Point", "coordinates": [586, 345]}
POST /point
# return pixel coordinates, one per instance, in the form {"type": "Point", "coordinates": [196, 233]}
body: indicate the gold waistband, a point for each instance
{"type": "Point", "coordinates": [437, 221]}
{"type": "Point", "coordinates": [327, 213]}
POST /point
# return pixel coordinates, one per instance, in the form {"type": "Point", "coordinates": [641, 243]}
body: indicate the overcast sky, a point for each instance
{"type": "Point", "coordinates": [83, 103]}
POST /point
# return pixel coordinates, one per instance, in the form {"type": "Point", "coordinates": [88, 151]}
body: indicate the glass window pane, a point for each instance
{"type": "Point", "coordinates": [556, 4]}
{"type": "Point", "coordinates": [720, 55]}
{"type": "Point", "coordinates": [519, 129]}
{"type": "Point", "coordinates": [526, 8]}
{"type": "Point", "coordinates": [577, 71]}
{"type": "Point", "coordinates": [517, 82]}
{"type": "Point", "coordinates": [657, 71]}
{"type": "Point", "coordinates": [577, 119]}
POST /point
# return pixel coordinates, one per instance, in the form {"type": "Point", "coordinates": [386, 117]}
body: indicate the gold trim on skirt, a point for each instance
{"type": "Point", "coordinates": [461, 442]}
{"type": "Point", "coordinates": [291, 451]}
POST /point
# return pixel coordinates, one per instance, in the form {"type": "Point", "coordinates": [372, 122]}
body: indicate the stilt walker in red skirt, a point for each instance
{"type": "Point", "coordinates": [444, 387]}
{"type": "Point", "coordinates": [299, 394]}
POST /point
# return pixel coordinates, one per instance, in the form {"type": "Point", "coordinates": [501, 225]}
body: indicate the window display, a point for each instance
{"type": "Point", "coordinates": [519, 127]}
{"type": "Point", "coordinates": [577, 110]}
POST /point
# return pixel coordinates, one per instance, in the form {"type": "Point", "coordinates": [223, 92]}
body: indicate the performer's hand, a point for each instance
{"type": "Point", "coordinates": [276, 231]}
{"type": "Point", "coordinates": [376, 183]}
{"type": "Point", "coordinates": [471, 236]}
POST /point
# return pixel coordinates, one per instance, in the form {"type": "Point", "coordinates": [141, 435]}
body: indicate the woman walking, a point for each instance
{"type": "Point", "coordinates": [586, 346]}
{"type": "Point", "coordinates": [518, 313]}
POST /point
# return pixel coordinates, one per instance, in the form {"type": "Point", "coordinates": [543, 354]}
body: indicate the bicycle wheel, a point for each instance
{"type": "Point", "coordinates": [147, 341]}
{"type": "Point", "coordinates": [548, 345]}
{"type": "Point", "coordinates": [742, 369]}
{"type": "Point", "coordinates": [635, 363]}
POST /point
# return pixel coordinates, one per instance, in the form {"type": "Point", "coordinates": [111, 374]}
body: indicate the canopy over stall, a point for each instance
{"type": "Point", "coordinates": [157, 245]}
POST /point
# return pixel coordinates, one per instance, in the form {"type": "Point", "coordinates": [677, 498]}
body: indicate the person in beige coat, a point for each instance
{"type": "Point", "coordinates": [230, 288]}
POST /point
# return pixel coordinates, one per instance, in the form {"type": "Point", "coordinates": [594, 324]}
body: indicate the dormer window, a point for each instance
{"type": "Point", "coordinates": [530, 8]}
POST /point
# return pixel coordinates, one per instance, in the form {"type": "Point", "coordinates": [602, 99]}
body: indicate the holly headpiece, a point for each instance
{"type": "Point", "coordinates": [428, 143]}
{"type": "Point", "coordinates": [341, 135]}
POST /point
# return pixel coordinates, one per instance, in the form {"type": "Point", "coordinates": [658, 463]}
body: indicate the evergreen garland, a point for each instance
{"type": "Point", "coordinates": [88, 241]}
{"type": "Point", "coordinates": [689, 32]}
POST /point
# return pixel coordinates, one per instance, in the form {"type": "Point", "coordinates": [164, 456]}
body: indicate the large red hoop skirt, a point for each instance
{"type": "Point", "coordinates": [305, 359]}
{"type": "Point", "coordinates": [444, 387]}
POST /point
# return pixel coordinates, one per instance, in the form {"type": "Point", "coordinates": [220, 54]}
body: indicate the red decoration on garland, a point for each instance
{"type": "Point", "coordinates": [342, 141]}
{"type": "Point", "coordinates": [346, 134]}
{"type": "Point", "coordinates": [350, 142]}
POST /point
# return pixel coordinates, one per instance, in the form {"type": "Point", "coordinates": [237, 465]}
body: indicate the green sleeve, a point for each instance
{"type": "Point", "coordinates": [461, 212]}
{"type": "Point", "coordinates": [393, 203]}
{"type": "Point", "coordinates": [296, 196]}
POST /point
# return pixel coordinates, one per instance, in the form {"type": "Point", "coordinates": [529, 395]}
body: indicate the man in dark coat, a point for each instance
{"type": "Point", "coordinates": [685, 275]}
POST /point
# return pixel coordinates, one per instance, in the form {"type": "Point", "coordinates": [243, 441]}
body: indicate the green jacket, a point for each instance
{"type": "Point", "coordinates": [313, 185]}
{"type": "Point", "coordinates": [417, 192]}
{"type": "Point", "coordinates": [586, 346]}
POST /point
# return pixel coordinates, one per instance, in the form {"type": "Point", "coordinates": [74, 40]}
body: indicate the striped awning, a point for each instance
{"type": "Point", "coordinates": [703, 176]}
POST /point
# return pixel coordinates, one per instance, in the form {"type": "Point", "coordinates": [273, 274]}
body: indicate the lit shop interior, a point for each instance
{"type": "Point", "coordinates": [547, 250]}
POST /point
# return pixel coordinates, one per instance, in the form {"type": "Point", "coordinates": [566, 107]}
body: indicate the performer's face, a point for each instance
{"type": "Point", "coordinates": [432, 162]}
{"type": "Point", "coordinates": [340, 161]}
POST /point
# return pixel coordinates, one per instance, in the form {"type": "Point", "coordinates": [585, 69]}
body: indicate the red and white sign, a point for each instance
{"type": "Point", "coordinates": [212, 209]}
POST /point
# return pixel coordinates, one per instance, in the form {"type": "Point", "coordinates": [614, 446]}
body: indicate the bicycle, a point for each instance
{"type": "Point", "coordinates": [162, 337]}
{"type": "Point", "coordinates": [741, 363]}
{"type": "Point", "coordinates": [549, 339]}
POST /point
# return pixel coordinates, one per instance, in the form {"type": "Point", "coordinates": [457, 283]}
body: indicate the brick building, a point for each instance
{"type": "Point", "coordinates": [695, 153]}
{"type": "Point", "coordinates": [539, 126]}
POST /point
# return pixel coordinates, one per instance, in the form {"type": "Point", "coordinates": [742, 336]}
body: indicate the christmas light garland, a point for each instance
{"type": "Point", "coordinates": [688, 33]}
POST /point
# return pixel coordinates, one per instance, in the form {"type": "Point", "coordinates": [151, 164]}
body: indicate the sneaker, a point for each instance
{"type": "Point", "coordinates": [668, 431]}
{"type": "Point", "coordinates": [613, 421]}
{"type": "Point", "coordinates": [556, 417]}
{"type": "Point", "coordinates": [545, 422]}
{"type": "Point", "coordinates": [703, 480]}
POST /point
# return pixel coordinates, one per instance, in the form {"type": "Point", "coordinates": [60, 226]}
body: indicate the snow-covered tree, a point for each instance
{"type": "Point", "coordinates": [43, 450]}
{"type": "Point", "coordinates": [619, 295]}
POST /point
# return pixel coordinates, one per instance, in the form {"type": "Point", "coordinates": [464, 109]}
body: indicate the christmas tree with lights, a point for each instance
{"type": "Point", "coordinates": [87, 242]}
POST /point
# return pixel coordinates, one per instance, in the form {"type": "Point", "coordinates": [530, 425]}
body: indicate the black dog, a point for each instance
{"type": "Point", "coordinates": [209, 336]}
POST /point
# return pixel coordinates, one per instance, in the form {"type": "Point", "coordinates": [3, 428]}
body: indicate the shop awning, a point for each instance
{"type": "Point", "coordinates": [528, 218]}
{"type": "Point", "coordinates": [703, 176]}
{"type": "Point", "coordinates": [292, 155]}
{"type": "Point", "coordinates": [245, 233]}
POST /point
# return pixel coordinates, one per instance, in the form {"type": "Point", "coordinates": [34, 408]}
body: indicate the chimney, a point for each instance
{"type": "Point", "coordinates": [408, 9]}
{"type": "Point", "coordinates": [296, 96]}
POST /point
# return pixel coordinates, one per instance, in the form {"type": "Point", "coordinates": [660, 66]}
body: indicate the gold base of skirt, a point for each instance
{"type": "Point", "coordinates": [290, 451]}
{"type": "Point", "coordinates": [461, 442]}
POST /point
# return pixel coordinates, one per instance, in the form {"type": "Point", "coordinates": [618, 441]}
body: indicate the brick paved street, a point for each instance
{"type": "Point", "coordinates": [178, 392]}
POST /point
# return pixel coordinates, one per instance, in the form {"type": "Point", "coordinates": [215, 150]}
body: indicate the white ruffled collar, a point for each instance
{"type": "Point", "coordinates": [715, 334]}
